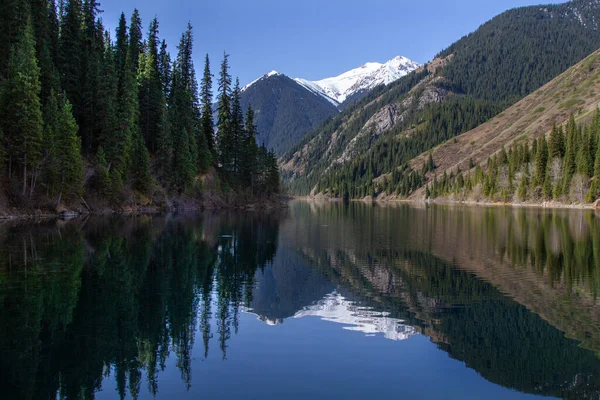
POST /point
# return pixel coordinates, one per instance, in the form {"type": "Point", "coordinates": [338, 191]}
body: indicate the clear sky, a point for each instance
{"type": "Point", "coordinates": [312, 39]}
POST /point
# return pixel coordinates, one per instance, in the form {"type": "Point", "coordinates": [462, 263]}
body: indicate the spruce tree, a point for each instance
{"type": "Point", "coordinates": [556, 145]}
{"type": "Point", "coordinates": [46, 36]}
{"type": "Point", "coordinates": [206, 97]}
{"type": "Point", "coordinates": [135, 40]}
{"type": "Point", "coordinates": [164, 69]}
{"type": "Point", "coordinates": [224, 121]}
{"type": "Point", "coordinates": [249, 152]}
{"type": "Point", "coordinates": [541, 161]}
{"type": "Point", "coordinates": [92, 54]}
{"type": "Point", "coordinates": [106, 112]}
{"type": "Point", "coordinates": [570, 155]}
{"type": "Point", "coordinates": [151, 99]}
{"type": "Point", "coordinates": [237, 127]}
{"type": "Point", "coordinates": [68, 163]}
{"type": "Point", "coordinates": [121, 47]}
{"type": "Point", "coordinates": [20, 112]}
{"type": "Point", "coordinates": [69, 54]}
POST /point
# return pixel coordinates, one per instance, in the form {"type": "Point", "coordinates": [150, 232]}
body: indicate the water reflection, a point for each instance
{"type": "Point", "coordinates": [112, 299]}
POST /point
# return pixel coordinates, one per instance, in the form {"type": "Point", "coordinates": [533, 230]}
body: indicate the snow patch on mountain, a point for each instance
{"type": "Point", "coordinates": [339, 88]}
{"type": "Point", "coordinates": [366, 77]}
{"type": "Point", "coordinates": [265, 76]}
{"type": "Point", "coordinates": [335, 308]}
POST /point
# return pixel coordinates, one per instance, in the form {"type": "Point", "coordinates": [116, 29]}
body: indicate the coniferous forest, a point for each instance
{"type": "Point", "coordinates": [563, 167]}
{"type": "Point", "coordinates": [89, 111]}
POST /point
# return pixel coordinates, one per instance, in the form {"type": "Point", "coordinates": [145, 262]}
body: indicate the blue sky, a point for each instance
{"type": "Point", "coordinates": [312, 39]}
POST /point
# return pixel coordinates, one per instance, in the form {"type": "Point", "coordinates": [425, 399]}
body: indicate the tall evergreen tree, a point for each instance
{"type": "Point", "coordinates": [67, 162]}
{"type": "Point", "coordinates": [249, 151]}
{"type": "Point", "coordinates": [121, 47]}
{"type": "Point", "coordinates": [164, 69]}
{"type": "Point", "coordinates": [69, 54]}
{"type": "Point", "coordinates": [556, 145]}
{"type": "Point", "coordinates": [206, 97]}
{"type": "Point", "coordinates": [46, 37]}
{"type": "Point", "coordinates": [92, 55]}
{"type": "Point", "coordinates": [541, 161]}
{"type": "Point", "coordinates": [21, 113]}
{"type": "Point", "coordinates": [151, 96]}
{"type": "Point", "coordinates": [224, 121]}
{"type": "Point", "coordinates": [135, 40]}
{"type": "Point", "coordinates": [237, 127]}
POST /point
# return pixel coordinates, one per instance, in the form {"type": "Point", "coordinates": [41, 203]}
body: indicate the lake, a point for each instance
{"type": "Point", "coordinates": [319, 301]}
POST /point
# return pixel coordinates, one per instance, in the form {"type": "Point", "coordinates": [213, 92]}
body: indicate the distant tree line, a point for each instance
{"type": "Point", "coordinates": [80, 112]}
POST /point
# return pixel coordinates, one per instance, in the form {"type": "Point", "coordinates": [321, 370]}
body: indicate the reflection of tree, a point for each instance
{"type": "Point", "coordinates": [446, 270]}
{"type": "Point", "coordinates": [116, 297]}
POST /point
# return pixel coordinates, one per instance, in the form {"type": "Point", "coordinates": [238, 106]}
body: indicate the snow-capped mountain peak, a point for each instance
{"type": "Point", "coordinates": [265, 76]}
{"type": "Point", "coordinates": [339, 88]}
{"type": "Point", "coordinates": [363, 78]}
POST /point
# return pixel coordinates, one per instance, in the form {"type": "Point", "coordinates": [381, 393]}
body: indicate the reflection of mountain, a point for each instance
{"type": "Point", "coordinates": [285, 286]}
{"type": "Point", "coordinates": [370, 252]}
{"type": "Point", "coordinates": [335, 308]}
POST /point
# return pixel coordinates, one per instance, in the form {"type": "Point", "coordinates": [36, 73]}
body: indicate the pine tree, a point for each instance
{"type": "Point", "coordinates": [20, 111]}
{"type": "Point", "coordinates": [69, 54]}
{"type": "Point", "coordinates": [237, 127]}
{"type": "Point", "coordinates": [151, 96]}
{"type": "Point", "coordinates": [206, 97]}
{"type": "Point", "coordinates": [68, 163]}
{"type": "Point", "coordinates": [106, 112]}
{"type": "Point", "coordinates": [135, 40]}
{"type": "Point", "coordinates": [14, 15]}
{"type": "Point", "coordinates": [224, 121]}
{"type": "Point", "coordinates": [164, 69]}
{"type": "Point", "coordinates": [583, 161]}
{"type": "Point", "coordinates": [92, 55]}
{"type": "Point", "coordinates": [249, 152]}
{"type": "Point", "coordinates": [541, 162]}
{"type": "Point", "coordinates": [556, 146]}
{"type": "Point", "coordinates": [121, 47]}
{"type": "Point", "coordinates": [46, 36]}
{"type": "Point", "coordinates": [570, 154]}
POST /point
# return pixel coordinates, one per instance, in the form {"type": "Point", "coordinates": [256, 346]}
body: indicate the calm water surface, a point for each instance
{"type": "Point", "coordinates": [319, 301]}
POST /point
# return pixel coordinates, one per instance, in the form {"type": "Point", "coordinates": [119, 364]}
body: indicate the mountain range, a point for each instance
{"type": "Point", "coordinates": [372, 141]}
{"type": "Point", "coordinates": [286, 109]}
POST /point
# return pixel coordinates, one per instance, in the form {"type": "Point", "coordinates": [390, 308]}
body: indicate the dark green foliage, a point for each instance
{"type": "Point", "coordinates": [68, 93]}
{"type": "Point", "coordinates": [20, 111]}
{"type": "Point", "coordinates": [63, 161]}
{"type": "Point", "coordinates": [522, 49]}
{"type": "Point", "coordinates": [224, 118]}
{"type": "Point", "coordinates": [135, 40]}
{"type": "Point", "coordinates": [206, 97]}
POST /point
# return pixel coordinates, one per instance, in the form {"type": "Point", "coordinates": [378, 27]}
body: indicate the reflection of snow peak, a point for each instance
{"type": "Point", "coordinates": [335, 308]}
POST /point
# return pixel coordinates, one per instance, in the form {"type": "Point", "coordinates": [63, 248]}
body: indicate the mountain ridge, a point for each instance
{"type": "Point", "coordinates": [287, 108]}
{"type": "Point", "coordinates": [471, 81]}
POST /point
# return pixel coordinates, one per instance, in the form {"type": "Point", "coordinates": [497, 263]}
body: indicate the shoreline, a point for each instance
{"type": "Point", "coordinates": [15, 214]}
{"type": "Point", "coordinates": [470, 203]}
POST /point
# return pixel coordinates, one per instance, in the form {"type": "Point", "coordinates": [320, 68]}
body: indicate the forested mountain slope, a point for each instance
{"type": "Point", "coordinates": [467, 84]}
{"type": "Point", "coordinates": [574, 92]}
{"type": "Point", "coordinates": [285, 110]}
